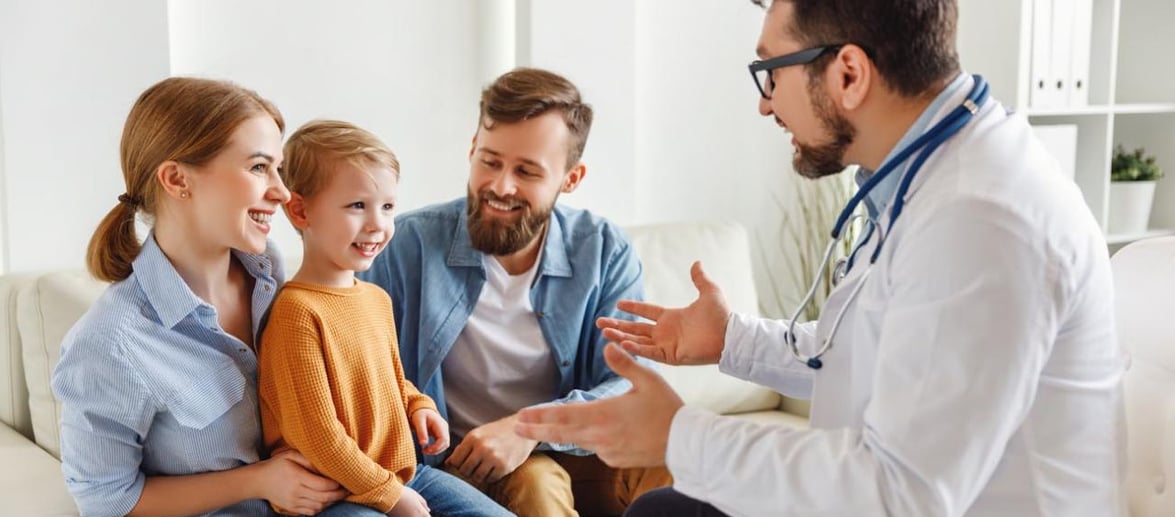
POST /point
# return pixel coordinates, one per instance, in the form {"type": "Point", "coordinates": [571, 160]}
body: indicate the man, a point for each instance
{"type": "Point", "coordinates": [496, 294]}
{"type": "Point", "coordinates": [972, 369]}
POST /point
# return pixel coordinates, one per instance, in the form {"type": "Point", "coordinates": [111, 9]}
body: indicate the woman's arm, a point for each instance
{"type": "Point", "coordinates": [284, 480]}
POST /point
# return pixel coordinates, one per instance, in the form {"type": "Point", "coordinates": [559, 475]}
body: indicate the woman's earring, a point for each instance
{"type": "Point", "coordinates": [184, 195]}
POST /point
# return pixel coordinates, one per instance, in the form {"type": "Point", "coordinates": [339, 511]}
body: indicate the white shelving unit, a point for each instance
{"type": "Point", "coordinates": [1131, 89]}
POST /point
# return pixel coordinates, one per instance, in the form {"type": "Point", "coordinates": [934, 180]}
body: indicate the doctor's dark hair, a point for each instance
{"type": "Point", "coordinates": [911, 42]}
{"type": "Point", "coordinates": [525, 93]}
{"type": "Point", "coordinates": [180, 119]}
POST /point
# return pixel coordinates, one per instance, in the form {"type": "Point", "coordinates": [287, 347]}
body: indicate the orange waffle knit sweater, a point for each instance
{"type": "Point", "coordinates": [332, 387]}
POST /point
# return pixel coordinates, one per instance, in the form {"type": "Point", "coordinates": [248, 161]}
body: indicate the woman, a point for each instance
{"type": "Point", "coordinates": [158, 380]}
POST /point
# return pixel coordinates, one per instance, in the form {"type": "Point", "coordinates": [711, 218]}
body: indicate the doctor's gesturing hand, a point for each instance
{"type": "Point", "coordinates": [630, 430]}
{"type": "Point", "coordinates": [693, 334]}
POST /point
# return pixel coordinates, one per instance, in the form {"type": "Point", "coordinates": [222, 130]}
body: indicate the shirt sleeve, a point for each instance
{"type": "Point", "coordinates": [970, 315]}
{"type": "Point", "coordinates": [756, 350]}
{"type": "Point", "coordinates": [291, 352]}
{"type": "Point", "coordinates": [106, 413]}
{"type": "Point", "coordinates": [621, 280]}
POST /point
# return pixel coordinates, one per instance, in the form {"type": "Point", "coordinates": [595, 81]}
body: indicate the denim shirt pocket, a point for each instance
{"type": "Point", "coordinates": [208, 398]}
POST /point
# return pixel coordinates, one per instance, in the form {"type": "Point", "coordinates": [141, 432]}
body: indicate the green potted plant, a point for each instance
{"type": "Point", "coordinates": [1132, 190]}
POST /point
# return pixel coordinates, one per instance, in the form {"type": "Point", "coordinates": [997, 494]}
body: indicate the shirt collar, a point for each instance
{"type": "Point", "coordinates": [878, 199]}
{"type": "Point", "coordinates": [554, 261]}
{"type": "Point", "coordinates": [167, 292]}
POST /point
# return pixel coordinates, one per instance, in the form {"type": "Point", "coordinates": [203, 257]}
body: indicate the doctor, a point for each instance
{"type": "Point", "coordinates": [974, 369]}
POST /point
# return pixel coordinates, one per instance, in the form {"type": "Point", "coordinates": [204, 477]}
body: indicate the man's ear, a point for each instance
{"type": "Point", "coordinates": [473, 145]}
{"type": "Point", "coordinates": [296, 211]}
{"type": "Point", "coordinates": [173, 177]}
{"type": "Point", "coordinates": [852, 73]}
{"type": "Point", "coordinates": [573, 177]}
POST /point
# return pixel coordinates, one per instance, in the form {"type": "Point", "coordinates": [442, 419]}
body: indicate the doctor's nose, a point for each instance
{"type": "Point", "coordinates": [765, 107]}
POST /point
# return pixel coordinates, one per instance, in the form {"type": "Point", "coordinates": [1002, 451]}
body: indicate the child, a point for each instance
{"type": "Point", "coordinates": [331, 383]}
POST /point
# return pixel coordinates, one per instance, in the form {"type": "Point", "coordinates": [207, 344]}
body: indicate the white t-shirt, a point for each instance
{"type": "Point", "coordinates": [500, 362]}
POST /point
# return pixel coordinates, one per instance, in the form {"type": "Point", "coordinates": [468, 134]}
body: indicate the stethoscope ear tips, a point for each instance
{"type": "Point", "coordinates": [815, 363]}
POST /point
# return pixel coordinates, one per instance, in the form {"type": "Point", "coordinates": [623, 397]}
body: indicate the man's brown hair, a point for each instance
{"type": "Point", "coordinates": [524, 93]}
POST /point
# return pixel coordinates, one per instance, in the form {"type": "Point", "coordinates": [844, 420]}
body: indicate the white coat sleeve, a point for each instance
{"type": "Point", "coordinates": [756, 350]}
{"type": "Point", "coordinates": [973, 302]}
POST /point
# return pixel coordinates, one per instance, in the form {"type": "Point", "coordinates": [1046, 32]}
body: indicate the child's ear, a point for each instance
{"type": "Point", "coordinates": [296, 211]}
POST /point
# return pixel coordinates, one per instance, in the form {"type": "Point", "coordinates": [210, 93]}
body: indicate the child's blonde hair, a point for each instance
{"type": "Point", "coordinates": [314, 147]}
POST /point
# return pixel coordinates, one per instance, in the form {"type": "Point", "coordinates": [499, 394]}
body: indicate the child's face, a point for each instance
{"type": "Point", "coordinates": [349, 221]}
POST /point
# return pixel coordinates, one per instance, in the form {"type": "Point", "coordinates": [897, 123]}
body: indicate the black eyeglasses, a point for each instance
{"type": "Point", "coordinates": [761, 69]}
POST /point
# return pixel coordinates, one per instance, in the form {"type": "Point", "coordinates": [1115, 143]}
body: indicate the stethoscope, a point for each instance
{"type": "Point", "coordinates": [927, 143]}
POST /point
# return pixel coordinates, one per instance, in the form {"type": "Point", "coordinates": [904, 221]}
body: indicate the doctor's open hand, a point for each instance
{"type": "Point", "coordinates": [629, 430]}
{"type": "Point", "coordinates": [694, 334]}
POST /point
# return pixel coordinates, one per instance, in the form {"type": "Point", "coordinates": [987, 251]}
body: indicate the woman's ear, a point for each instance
{"type": "Point", "coordinates": [296, 211]}
{"type": "Point", "coordinates": [173, 177]}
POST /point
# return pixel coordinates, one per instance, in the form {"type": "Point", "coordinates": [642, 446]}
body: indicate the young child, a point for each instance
{"type": "Point", "coordinates": [331, 383]}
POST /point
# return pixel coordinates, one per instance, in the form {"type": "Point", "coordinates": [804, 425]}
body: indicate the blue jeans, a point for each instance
{"type": "Point", "coordinates": [447, 496]}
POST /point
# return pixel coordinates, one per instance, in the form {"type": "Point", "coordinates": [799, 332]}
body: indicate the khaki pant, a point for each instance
{"type": "Point", "coordinates": [552, 484]}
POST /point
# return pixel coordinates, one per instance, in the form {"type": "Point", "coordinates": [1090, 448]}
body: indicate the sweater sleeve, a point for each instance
{"type": "Point", "coordinates": [291, 353]}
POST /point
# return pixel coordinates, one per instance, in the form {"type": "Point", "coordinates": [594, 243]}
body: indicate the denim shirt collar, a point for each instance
{"type": "Point", "coordinates": [553, 259]}
{"type": "Point", "coordinates": [877, 201]}
{"type": "Point", "coordinates": [167, 292]}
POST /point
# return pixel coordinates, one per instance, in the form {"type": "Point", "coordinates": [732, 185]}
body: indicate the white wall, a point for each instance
{"type": "Point", "coordinates": [403, 69]}
{"type": "Point", "coordinates": [69, 72]}
{"type": "Point", "coordinates": [676, 135]}
{"type": "Point", "coordinates": [591, 43]}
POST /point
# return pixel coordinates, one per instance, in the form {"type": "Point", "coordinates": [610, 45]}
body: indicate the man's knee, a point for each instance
{"type": "Point", "coordinates": [538, 487]}
{"type": "Point", "coordinates": [667, 502]}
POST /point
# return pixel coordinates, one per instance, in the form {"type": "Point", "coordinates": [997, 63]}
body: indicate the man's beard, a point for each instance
{"type": "Point", "coordinates": [502, 236]}
{"type": "Point", "coordinates": [817, 161]}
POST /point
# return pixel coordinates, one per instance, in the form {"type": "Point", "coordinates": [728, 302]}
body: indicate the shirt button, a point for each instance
{"type": "Point", "coordinates": [241, 350]}
{"type": "Point", "coordinates": [539, 314]}
{"type": "Point", "coordinates": [566, 363]}
{"type": "Point", "coordinates": [265, 288]}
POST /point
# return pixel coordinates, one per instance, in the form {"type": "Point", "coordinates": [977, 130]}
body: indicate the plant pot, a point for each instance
{"type": "Point", "coordinates": [1130, 206]}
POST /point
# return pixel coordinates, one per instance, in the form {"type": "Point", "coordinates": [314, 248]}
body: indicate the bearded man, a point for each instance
{"type": "Point", "coordinates": [496, 296]}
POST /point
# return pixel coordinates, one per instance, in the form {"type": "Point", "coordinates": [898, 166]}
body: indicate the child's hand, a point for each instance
{"type": "Point", "coordinates": [411, 504]}
{"type": "Point", "coordinates": [428, 424]}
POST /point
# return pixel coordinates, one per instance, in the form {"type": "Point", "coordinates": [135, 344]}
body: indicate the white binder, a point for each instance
{"type": "Point", "coordinates": [1062, 52]}
{"type": "Point", "coordinates": [1039, 92]}
{"type": "Point", "coordinates": [1082, 36]}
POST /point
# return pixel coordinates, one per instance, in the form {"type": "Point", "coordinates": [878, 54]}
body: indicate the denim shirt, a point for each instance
{"type": "Point", "coordinates": [150, 385]}
{"type": "Point", "coordinates": [435, 277]}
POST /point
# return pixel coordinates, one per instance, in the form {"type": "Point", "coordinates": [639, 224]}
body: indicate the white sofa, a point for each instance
{"type": "Point", "coordinates": [38, 309]}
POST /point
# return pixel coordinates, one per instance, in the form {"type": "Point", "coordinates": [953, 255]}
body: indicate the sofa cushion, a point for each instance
{"type": "Point", "coordinates": [1144, 279]}
{"type": "Point", "coordinates": [666, 252]}
{"type": "Point", "coordinates": [47, 310]}
{"type": "Point", "coordinates": [14, 393]}
{"type": "Point", "coordinates": [30, 482]}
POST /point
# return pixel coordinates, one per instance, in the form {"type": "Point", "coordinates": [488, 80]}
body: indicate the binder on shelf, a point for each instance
{"type": "Point", "coordinates": [1061, 142]}
{"type": "Point", "coordinates": [1040, 93]}
{"type": "Point", "coordinates": [1082, 43]}
{"type": "Point", "coordinates": [1061, 56]}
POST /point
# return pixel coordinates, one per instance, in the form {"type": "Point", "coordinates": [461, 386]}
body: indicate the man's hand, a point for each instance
{"type": "Point", "coordinates": [694, 334]}
{"type": "Point", "coordinates": [630, 430]}
{"type": "Point", "coordinates": [411, 504]}
{"type": "Point", "coordinates": [492, 451]}
{"type": "Point", "coordinates": [290, 482]}
{"type": "Point", "coordinates": [430, 427]}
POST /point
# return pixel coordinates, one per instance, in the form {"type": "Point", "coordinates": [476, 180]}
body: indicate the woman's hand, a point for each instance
{"type": "Point", "coordinates": [289, 481]}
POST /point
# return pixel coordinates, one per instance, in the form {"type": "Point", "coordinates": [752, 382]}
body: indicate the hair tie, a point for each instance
{"type": "Point", "coordinates": [130, 200]}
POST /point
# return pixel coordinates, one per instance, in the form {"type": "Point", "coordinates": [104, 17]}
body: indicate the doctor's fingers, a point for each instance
{"type": "Point", "coordinates": [646, 310]}
{"type": "Point", "coordinates": [636, 328]}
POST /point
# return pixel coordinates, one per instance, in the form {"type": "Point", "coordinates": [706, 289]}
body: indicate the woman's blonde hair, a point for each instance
{"type": "Point", "coordinates": [314, 148]}
{"type": "Point", "coordinates": [187, 120]}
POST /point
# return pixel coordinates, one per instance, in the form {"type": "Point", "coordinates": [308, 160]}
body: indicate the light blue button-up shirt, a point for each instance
{"type": "Point", "coordinates": [435, 277]}
{"type": "Point", "coordinates": [150, 385]}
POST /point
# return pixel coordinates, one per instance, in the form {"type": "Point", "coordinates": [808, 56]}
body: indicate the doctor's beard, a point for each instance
{"type": "Point", "coordinates": [817, 161]}
{"type": "Point", "coordinates": [498, 236]}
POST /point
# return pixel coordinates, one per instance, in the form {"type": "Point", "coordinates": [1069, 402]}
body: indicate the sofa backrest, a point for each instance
{"type": "Point", "coordinates": [1144, 284]}
{"type": "Point", "coordinates": [14, 393]}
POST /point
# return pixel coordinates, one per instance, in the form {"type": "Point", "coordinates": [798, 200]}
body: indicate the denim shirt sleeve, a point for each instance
{"type": "Point", "coordinates": [622, 279]}
{"type": "Point", "coordinates": [105, 415]}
